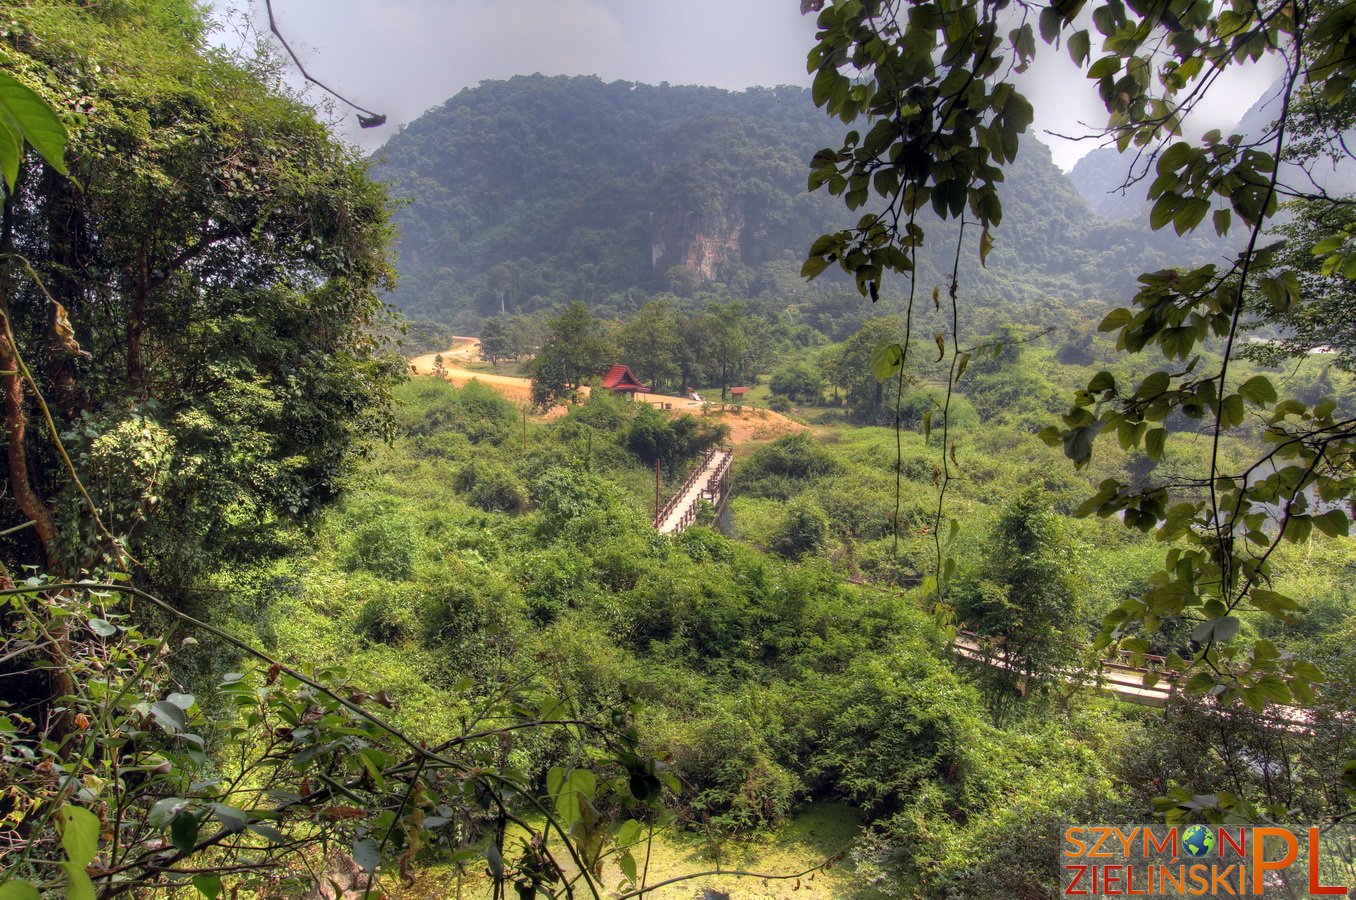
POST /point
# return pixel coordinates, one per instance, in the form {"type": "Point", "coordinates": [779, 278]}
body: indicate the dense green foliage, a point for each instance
{"type": "Point", "coordinates": [1025, 594]}
{"type": "Point", "coordinates": [468, 647]}
{"type": "Point", "coordinates": [1326, 321]}
{"type": "Point", "coordinates": [670, 344]}
{"type": "Point", "coordinates": [943, 129]}
{"type": "Point", "coordinates": [190, 364]}
{"type": "Point", "coordinates": [764, 679]}
{"type": "Point", "coordinates": [573, 351]}
{"type": "Point", "coordinates": [218, 258]}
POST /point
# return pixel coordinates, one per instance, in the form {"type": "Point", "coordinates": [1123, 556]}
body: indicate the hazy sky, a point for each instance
{"type": "Point", "coordinates": [401, 57]}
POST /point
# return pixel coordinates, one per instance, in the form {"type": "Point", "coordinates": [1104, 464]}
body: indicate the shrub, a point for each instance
{"type": "Point", "coordinates": [562, 495]}
{"type": "Point", "coordinates": [732, 779]}
{"type": "Point", "coordinates": [602, 411]}
{"type": "Point", "coordinates": [391, 616]}
{"type": "Point", "coordinates": [888, 726]}
{"type": "Point", "coordinates": [490, 486]}
{"type": "Point", "coordinates": [1011, 392]}
{"type": "Point", "coordinates": [475, 410]}
{"type": "Point", "coordinates": [803, 529]}
{"type": "Point", "coordinates": [799, 382]}
{"type": "Point", "coordinates": [387, 546]}
{"type": "Point", "coordinates": [468, 608]}
{"type": "Point", "coordinates": [863, 505]}
{"type": "Point", "coordinates": [553, 580]}
{"type": "Point", "coordinates": [688, 607]}
{"type": "Point", "coordinates": [776, 469]}
{"type": "Point", "coordinates": [703, 544]}
{"type": "Point", "coordinates": [484, 414]}
{"type": "Point", "coordinates": [444, 445]}
{"type": "Point", "coordinates": [654, 436]}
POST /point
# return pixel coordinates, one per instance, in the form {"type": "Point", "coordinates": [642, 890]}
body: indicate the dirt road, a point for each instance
{"type": "Point", "coordinates": [747, 425]}
{"type": "Point", "coordinates": [466, 349]}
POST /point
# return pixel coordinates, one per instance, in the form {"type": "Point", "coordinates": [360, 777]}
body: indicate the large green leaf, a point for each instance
{"type": "Point", "coordinates": [79, 834]}
{"type": "Point", "coordinates": [886, 361]}
{"type": "Point", "coordinates": [367, 854]}
{"type": "Point", "coordinates": [78, 883]}
{"type": "Point", "coordinates": [24, 116]}
{"type": "Point", "coordinates": [1221, 629]}
{"type": "Point", "coordinates": [208, 886]}
{"type": "Point", "coordinates": [18, 890]}
{"type": "Point", "coordinates": [11, 152]}
{"type": "Point", "coordinates": [184, 832]}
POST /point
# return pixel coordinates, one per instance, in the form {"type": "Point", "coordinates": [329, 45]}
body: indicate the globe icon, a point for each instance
{"type": "Point", "coordinates": [1198, 840]}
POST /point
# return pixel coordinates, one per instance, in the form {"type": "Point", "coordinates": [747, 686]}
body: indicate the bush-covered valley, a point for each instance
{"type": "Point", "coordinates": [793, 663]}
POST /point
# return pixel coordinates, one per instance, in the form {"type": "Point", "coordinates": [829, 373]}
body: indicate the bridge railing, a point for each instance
{"type": "Point", "coordinates": [672, 503]}
{"type": "Point", "coordinates": [687, 518]}
{"type": "Point", "coordinates": [1126, 682]}
{"type": "Point", "coordinates": [1115, 668]}
{"type": "Point", "coordinates": [713, 481]}
{"type": "Point", "coordinates": [717, 478]}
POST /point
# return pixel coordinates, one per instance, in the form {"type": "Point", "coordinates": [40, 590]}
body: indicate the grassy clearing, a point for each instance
{"type": "Point", "coordinates": [817, 833]}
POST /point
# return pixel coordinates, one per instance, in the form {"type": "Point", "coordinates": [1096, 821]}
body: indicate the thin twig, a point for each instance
{"type": "Point", "coordinates": [729, 874]}
{"type": "Point", "coordinates": [368, 120]}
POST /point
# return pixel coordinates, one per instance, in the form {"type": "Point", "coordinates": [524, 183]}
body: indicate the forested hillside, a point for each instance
{"type": "Point", "coordinates": [525, 193]}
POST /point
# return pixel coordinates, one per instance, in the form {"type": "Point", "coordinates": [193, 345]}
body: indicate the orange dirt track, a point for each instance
{"type": "Point", "coordinates": [747, 426]}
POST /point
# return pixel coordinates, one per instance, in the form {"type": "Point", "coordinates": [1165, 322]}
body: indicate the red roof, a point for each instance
{"type": "Point", "coordinates": [739, 391]}
{"type": "Point", "coordinates": [619, 378]}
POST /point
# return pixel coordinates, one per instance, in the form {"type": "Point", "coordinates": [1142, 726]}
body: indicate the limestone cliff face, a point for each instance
{"type": "Point", "coordinates": [704, 243]}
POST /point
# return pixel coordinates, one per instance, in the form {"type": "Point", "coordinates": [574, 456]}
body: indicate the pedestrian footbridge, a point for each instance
{"type": "Point", "coordinates": [709, 481]}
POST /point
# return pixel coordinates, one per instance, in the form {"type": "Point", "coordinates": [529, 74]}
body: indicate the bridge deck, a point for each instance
{"type": "Point", "coordinates": [1126, 683]}
{"type": "Point", "coordinates": [706, 482]}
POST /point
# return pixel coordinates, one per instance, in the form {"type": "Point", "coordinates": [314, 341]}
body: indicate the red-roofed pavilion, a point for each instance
{"type": "Point", "coordinates": [619, 380]}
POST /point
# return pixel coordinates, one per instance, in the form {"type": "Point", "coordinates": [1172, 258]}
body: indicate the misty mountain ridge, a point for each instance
{"type": "Point", "coordinates": [525, 193]}
{"type": "Point", "coordinates": [1100, 175]}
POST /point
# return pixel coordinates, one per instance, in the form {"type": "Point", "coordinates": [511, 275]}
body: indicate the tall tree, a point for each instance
{"type": "Point", "coordinates": [496, 338]}
{"type": "Point", "coordinates": [692, 350]}
{"type": "Point", "coordinates": [219, 259]}
{"type": "Point", "coordinates": [799, 382]}
{"type": "Point", "coordinates": [575, 349]}
{"type": "Point", "coordinates": [1024, 599]}
{"type": "Point", "coordinates": [728, 342]}
{"type": "Point", "coordinates": [526, 333]}
{"type": "Point", "coordinates": [651, 343]}
{"type": "Point", "coordinates": [849, 369]}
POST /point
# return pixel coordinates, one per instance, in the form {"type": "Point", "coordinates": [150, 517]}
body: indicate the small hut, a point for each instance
{"type": "Point", "coordinates": [620, 380]}
{"type": "Point", "coordinates": [737, 394]}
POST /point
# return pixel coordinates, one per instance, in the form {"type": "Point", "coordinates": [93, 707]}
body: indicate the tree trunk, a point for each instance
{"type": "Point", "coordinates": [31, 505]}
{"type": "Point", "coordinates": [66, 237]}
{"type": "Point", "coordinates": [60, 682]}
